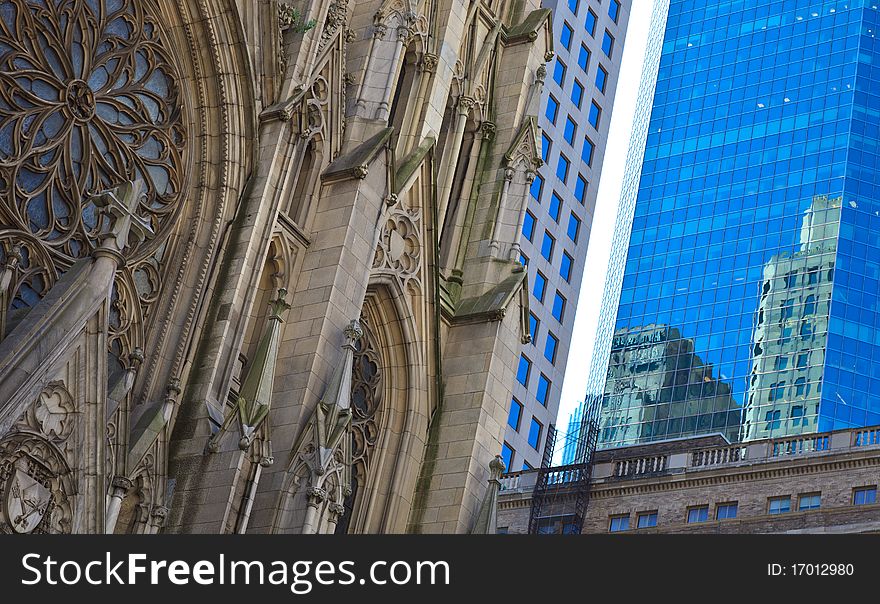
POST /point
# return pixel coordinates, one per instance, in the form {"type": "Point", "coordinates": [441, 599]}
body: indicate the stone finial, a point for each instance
{"type": "Point", "coordinates": [353, 332]}
{"type": "Point", "coordinates": [120, 204]}
{"type": "Point", "coordinates": [496, 468]}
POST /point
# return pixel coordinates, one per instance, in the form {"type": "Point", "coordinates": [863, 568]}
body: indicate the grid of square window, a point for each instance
{"type": "Point", "coordinates": [553, 239]}
{"type": "Point", "coordinates": [753, 256]}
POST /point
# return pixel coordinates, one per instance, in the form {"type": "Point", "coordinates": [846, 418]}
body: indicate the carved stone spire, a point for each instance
{"type": "Point", "coordinates": [486, 519]}
{"type": "Point", "coordinates": [255, 397]}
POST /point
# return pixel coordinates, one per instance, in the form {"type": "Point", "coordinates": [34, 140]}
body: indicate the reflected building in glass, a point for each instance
{"type": "Point", "coordinates": [750, 232]}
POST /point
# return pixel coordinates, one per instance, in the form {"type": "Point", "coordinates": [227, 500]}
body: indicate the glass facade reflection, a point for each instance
{"type": "Point", "coordinates": [748, 303]}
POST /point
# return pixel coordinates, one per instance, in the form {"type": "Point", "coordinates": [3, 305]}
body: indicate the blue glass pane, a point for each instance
{"type": "Point", "coordinates": [550, 346]}
{"type": "Point", "coordinates": [522, 372]}
{"type": "Point", "coordinates": [601, 79]}
{"type": "Point", "coordinates": [539, 287]}
{"type": "Point", "coordinates": [580, 189]}
{"type": "Point", "coordinates": [543, 389]}
{"type": "Point", "coordinates": [614, 10]}
{"type": "Point", "coordinates": [515, 413]}
{"type": "Point", "coordinates": [584, 57]}
{"type": "Point", "coordinates": [595, 112]}
{"type": "Point", "coordinates": [559, 72]}
{"type": "Point", "coordinates": [555, 206]}
{"type": "Point", "coordinates": [547, 246]}
{"type": "Point", "coordinates": [536, 187]}
{"type": "Point", "coordinates": [534, 433]}
{"type": "Point", "coordinates": [528, 229]}
{"type": "Point", "coordinates": [570, 129]}
{"type": "Point", "coordinates": [565, 36]}
{"type": "Point", "coordinates": [565, 266]}
{"type": "Point", "coordinates": [607, 44]}
{"type": "Point", "coordinates": [558, 307]}
{"type": "Point", "coordinates": [574, 227]}
{"type": "Point", "coordinates": [590, 23]}
{"type": "Point", "coordinates": [552, 109]}
{"type": "Point", "coordinates": [577, 93]}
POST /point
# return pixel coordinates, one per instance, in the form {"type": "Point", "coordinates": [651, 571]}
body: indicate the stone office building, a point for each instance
{"type": "Point", "coordinates": [256, 260]}
{"type": "Point", "coordinates": [825, 483]}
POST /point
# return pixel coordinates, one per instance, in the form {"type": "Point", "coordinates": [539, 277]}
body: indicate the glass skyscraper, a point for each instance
{"type": "Point", "coordinates": [747, 297]}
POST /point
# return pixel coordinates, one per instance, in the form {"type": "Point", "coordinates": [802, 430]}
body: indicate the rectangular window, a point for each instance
{"type": "Point", "coordinates": [515, 414]}
{"type": "Point", "coordinates": [559, 72]}
{"type": "Point", "coordinates": [562, 168]}
{"type": "Point", "coordinates": [565, 267]}
{"type": "Point", "coordinates": [565, 36]}
{"type": "Point", "coordinates": [527, 466]}
{"type": "Point", "coordinates": [779, 505]}
{"type": "Point", "coordinates": [552, 109]}
{"type": "Point", "coordinates": [608, 44]}
{"type": "Point", "coordinates": [535, 433]}
{"type": "Point", "coordinates": [800, 387]}
{"type": "Point", "coordinates": [614, 10]}
{"type": "Point", "coordinates": [803, 360]}
{"type": "Point", "coordinates": [534, 325]}
{"type": "Point", "coordinates": [724, 511]}
{"type": "Point", "coordinates": [647, 519]}
{"type": "Point", "coordinates": [540, 286]}
{"type": "Point", "coordinates": [797, 416]}
{"type": "Point", "coordinates": [618, 523]}
{"type": "Point", "coordinates": [698, 514]}
{"type": "Point", "coordinates": [772, 419]}
{"type": "Point", "coordinates": [573, 6]}
{"type": "Point", "coordinates": [590, 23]}
{"type": "Point", "coordinates": [528, 229]}
{"type": "Point", "coordinates": [587, 153]}
{"type": "Point", "coordinates": [522, 372]}
{"type": "Point", "coordinates": [595, 114]}
{"type": "Point", "coordinates": [547, 246]}
{"type": "Point", "coordinates": [523, 259]}
{"type": "Point", "coordinates": [584, 58]}
{"type": "Point", "coordinates": [546, 143]}
{"type": "Point", "coordinates": [507, 455]}
{"type": "Point", "coordinates": [780, 363]}
{"type": "Point", "coordinates": [537, 186]}
{"type": "Point", "coordinates": [580, 189]}
{"type": "Point", "coordinates": [865, 496]}
{"type": "Point", "coordinates": [558, 307]}
{"type": "Point", "coordinates": [550, 347]}
{"type": "Point", "coordinates": [810, 501]}
{"type": "Point", "coordinates": [543, 392]}
{"type": "Point", "coordinates": [574, 227]}
{"type": "Point", "coordinates": [555, 206]}
{"type": "Point", "coordinates": [601, 79]}
{"type": "Point", "coordinates": [577, 94]}
{"type": "Point", "coordinates": [570, 130]}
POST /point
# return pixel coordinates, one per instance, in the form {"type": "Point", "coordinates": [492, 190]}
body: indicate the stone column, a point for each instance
{"type": "Point", "coordinates": [120, 486]}
{"type": "Point", "coordinates": [316, 497]}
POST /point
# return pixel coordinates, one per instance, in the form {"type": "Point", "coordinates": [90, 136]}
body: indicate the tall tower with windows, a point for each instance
{"type": "Point", "coordinates": [588, 37]}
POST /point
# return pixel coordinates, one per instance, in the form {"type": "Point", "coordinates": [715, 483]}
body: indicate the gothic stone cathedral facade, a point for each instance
{"type": "Point", "coordinates": [258, 261]}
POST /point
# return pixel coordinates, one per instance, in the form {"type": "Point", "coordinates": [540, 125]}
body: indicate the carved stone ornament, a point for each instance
{"type": "Point", "coordinates": [34, 487]}
{"type": "Point", "coordinates": [400, 244]}
{"type": "Point", "coordinates": [51, 414]}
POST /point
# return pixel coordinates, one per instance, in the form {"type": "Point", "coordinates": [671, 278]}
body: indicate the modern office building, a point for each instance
{"type": "Point", "coordinates": [751, 229]}
{"type": "Point", "coordinates": [577, 99]}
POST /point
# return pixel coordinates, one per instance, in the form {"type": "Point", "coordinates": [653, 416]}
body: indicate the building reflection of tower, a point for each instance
{"type": "Point", "coordinates": [791, 330]}
{"type": "Point", "coordinates": [658, 388]}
